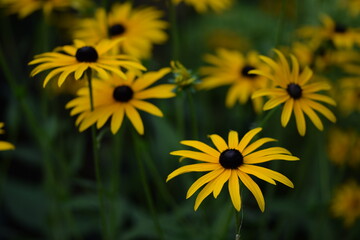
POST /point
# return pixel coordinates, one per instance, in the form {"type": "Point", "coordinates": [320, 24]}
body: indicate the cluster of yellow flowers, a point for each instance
{"type": "Point", "coordinates": [109, 50]}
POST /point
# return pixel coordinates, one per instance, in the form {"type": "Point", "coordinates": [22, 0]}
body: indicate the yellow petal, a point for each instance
{"type": "Point", "coordinates": [286, 112]}
{"type": "Point", "coordinates": [147, 107]}
{"type": "Point", "coordinates": [149, 78]}
{"type": "Point", "coordinates": [267, 151]}
{"type": "Point", "coordinates": [275, 101]}
{"type": "Point", "coordinates": [299, 117]}
{"type": "Point", "coordinates": [202, 147]}
{"type": "Point", "coordinates": [203, 180]}
{"type": "Point", "coordinates": [234, 190]}
{"type": "Point", "coordinates": [198, 167]}
{"type": "Point", "coordinates": [233, 139]}
{"type": "Point", "coordinates": [312, 115]}
{"type": "Point", "coordinates": [247, 138]}
{"type": "Point", "coordinates": [252, 147]}
{"type": "Point", "coordinates": [117, 119]}
{"type": "Point", "coordinates": [254, 189]}
{"type": "Point", "coordinates": [134, 118]}
{"type": "Point", "coordinates": [196, 156]}
{"type": "Point", "coordinates": [219, 142]}
{"type": "Point", "coordinates": [4, 146]}
{"type": "Point", "coordinates": [160, 91]}
{"type": "Point", "coordinates": [248, 169]}
{"type": "Point", "coordinates": [270, 158]}
{"type": "Point", "coordinates": [203, 194]}
{"type": "Point", "coordinates": [320, 108]}
{"type": "Point", "coordinates": [220, 181]}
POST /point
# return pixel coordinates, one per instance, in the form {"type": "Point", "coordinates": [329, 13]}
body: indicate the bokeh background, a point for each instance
{"type": "Point", "coordinates": [47, 184]}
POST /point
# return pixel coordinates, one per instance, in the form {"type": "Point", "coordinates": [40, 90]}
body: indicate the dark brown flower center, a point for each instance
{"type": "Point", "coordinates": [294, 90]}
{"type": "Point", "coordinates": [116, 30]}
{"type": "Point", "coordinates": [123, 93]}
{"type": "Point", "coordinates": [86, 54]}
{"type": "Point", "coordinates": [245, 71]}
{"type": "Point", "coordinates": [340, 28]}
{"type": "Point", "coordinates": [231, 159]}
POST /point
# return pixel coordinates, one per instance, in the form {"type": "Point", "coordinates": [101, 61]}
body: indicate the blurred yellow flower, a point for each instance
{"type": "Point", "coordinates": [141, 28]}
{"type": "Point", "coordinates": [76, 59]}
{"type": "Point", "coordinates": [229, 162]}
{"type": "Point", "coordinates": [352, 6]}
{"type": "Point", "coordinates": [26, 7]}
{"type": "Point", "coordinates": [344, 147]}
{"type": "Point", "coordinates": [346, 203]}
{"type": "Point", "coordinates": [202, 6]}
{"type": "Point", "coordinates": [230, 67]}
{"type": "Point", "coordinates": [292, 88]}
{"type": "Point", "coordinates": [339, 34]}
{"type": "Point", "coordinates": [116, 97]}
{"type": "Point", "coordinates": [5, 145]}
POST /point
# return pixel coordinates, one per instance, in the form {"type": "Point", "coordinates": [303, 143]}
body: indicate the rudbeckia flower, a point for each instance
{"type": "Point", "coordinates": [141, 28]}
{"type": "Point", "coordinates": [78, 58]}
{"type": "Point", "coordinates": [117, 97]}
{"type": "Point", "coordinates": [229, 162]}
{"type": "Point", "coordinates": [339, 34]}
{"type": "Point", "coordinates": [203, 6]}
{"type": "Point", "coordinates": [232, 68]}
{"type": "Point", "coordinates": [26, 7]}
{"type": "Point", "coordinates": [294, 90]}
{"type": "Point", "coordinates": [5, 145]}
{"type": "Point", "coordinates": [346, 203]}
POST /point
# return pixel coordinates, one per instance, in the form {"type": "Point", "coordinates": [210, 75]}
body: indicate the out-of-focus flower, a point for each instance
{"type": "Point", "coordinates": [346, 203]}
{"type": "Point", "coordinates": [344, 147]}
{"type": "Point", "coordinates": [117, 97]}
{"type": "Point", "coordinates": [202, 6]}
{"type": "Point", "coordinates": [294, 90]}
{"type": "Point", "coordinates": [5, 145]}
{"type": "Point", "coordinates": [76, 59]}
{"type": "Point", "coordinates": [339, 34]}
{"type": "Point", "coordinates": [26, 7]}
{"type": "Point", "coordinates": [229, 162]}
{"type": "Point", "coordinates": [232, 68]}
{"type": "Point", "coordinates": [223, 38]}
{"type": "Point", "coordinates": [352, 6]}
{"type": "Point", "coordinates": [141, 28]}
{"type": "Point", "coordinates": [183, 78]}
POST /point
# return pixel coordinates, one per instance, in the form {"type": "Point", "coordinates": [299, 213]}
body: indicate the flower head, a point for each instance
{"type": "Point", "coordinates": [141, 28]}
{"type": "Point", "coordinates": [203, 6]}
{"type": "Point", "coordinates": [26, 7]}
{"type": "Point", "coordinates": [346, 203]}
{"type": "Point", "coordinates": [294, 90]}
{"type": "Point", "coordinates": [232, 68]}
{"type": "Point", "coordinates": [184, 78]}
{"type": "Point", "coordinates": [78, 58]}
{"type": "Point", "coordinates": [5, 145]}
{"type": "Point", "coordinates": [230, 161]}
{"type": "Point", "coordinates": [117, 97]}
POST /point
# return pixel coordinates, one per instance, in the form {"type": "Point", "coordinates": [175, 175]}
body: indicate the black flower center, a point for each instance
{"type": "Point", "coordinates": [294, 90]}
{"type": "Point", "coordinates": [86, 54]}
{"type": "Point", "coordinates": [245, 71]}
{"type": "Point", "coordinates": [231, 159]}
{"type": "Point", "coordinates": [340, 28]}
{"type": "Point", "coordinates": [123, 93]}
{"type": "Point", "coordinates": [116, 30]}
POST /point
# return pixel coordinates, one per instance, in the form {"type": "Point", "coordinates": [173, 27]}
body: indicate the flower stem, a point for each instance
{"type": "Point", "coordinates": [194, 125]}
{"type": "Point", "coordinates": [267, 117]}
{"type": "Point", "coordinates": [97, 161]}
{"type": "Point", "coordinates": [174, 30]}
{"type": "Point", "coordinates": [145, 183]}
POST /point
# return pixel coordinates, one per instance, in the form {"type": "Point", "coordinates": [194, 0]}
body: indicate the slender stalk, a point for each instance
{"type": "Point", "coordinates": [267, 117]}
{"type": "Point", "coordinates": [96, 157]}
{"type": "Point", "coordinates": [193, 115]}
{"type": "Point", "coordinates": [174, 30]}
{"type": "Point", "coordinates": [145, 183]}
{"type": "Point", "coordinates": [239, 221]}
{"type": "Point", "coordinates": [278, 35]}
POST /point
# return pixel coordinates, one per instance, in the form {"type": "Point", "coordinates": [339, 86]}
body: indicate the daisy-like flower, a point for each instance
{"type": "Point", "coordinates": [231, 67]}
{"type": "Point", "coordinates": [202, 6]}
{"type": "Point", "coordinates": [141, 28]}
{"type": "Point", "coordinates": [76, 59]}
{"type": "Point", "coordinates": [117, 97]}
{"type": "Point", "coordinates": [26, 7]}
{"type": "Point", "coordinates": [229, 162]}
{"type": "Point", "coordinates": [346, 203]}
{"type": "Point", "coordinates": [294, 90]}
{"type": "Point", "coordinates": [5, 145]}
{"type": "Point", "coordinates": [341, 35]}
{"type": "Point", "coordinates": [352, 6]}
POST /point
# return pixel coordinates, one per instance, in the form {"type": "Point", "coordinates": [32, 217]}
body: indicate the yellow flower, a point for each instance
{"type": "Point", "coordinates": [339, 34]}
{"type": "Point", "coordinates": [294, 90]}
{"type": "Point", "coordinates": [117, 97]}
{"type": "Point", "coordinates": [78, 58]}
{"type": "Point", "coordinates": [141, 28]}
{"type": "Point", "coordinates": [183, 77]}
{"type": "Point", "coordinates": [346, 203]}
{"type": "Point", "coordinates": [203, 6]}
{"type": "Point", "coordinates": [232, 68]}
{"type": "Point", "coordinates": [353, 6]}
{"type": "Point", "coordinates": [26, 7]}
{"type": "Point", "coordinates": [229, 162]}
{"type": "Point", "coordinates": [5, 145]}
{"type": "Point", "coordinates": [344, 147]}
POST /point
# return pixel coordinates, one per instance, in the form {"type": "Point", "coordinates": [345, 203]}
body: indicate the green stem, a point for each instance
{"type": "Point", "coordinates": [267, 117]}
{"type": "Point", "coordinates": [239, 220]}
{"type": "Point", "coordinates": [193, 116]}
{"type": "Point", "coordinates": [95, 145]}
{"type": "Point", "coordinates": [144, 181]}
{"type": "Point", "coordinates": [174, 30]}
{"type": "Point", "coordinates": [278, 35]}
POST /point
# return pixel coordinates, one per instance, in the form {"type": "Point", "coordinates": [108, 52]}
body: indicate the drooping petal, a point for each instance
{"type": "Point", "coordinates": [234, 190]}
{"type": "Point", "coordinates": [300, 119]}
{"type": "Point", "coordinates": [197, 167]}
{"type": "Point", "coordinates": [254, 188]}
{"type": "Point", "coordinates": [134, 118]}
{"type": "Point", "coordinates": [147, 107]}
{"type": "Point", "coordinates": [203, 194]}
{"type": "Point", "coordinates": [248, 169]}
{"type": "Point", "coordinates": [286, 112]}
{"type": "Point", "coordinates": [220, 181]}
{"type": "Point", "coordinates": [275, 101]}
{"type": "Point", "coordinates": [203, 180]}
{"type": "Point", "coordinates": [312, 115]}
{"type": "Point", "coordinates": [117, 119]}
